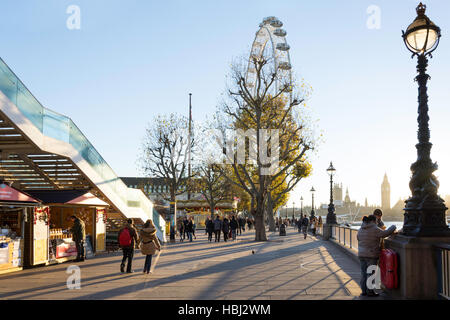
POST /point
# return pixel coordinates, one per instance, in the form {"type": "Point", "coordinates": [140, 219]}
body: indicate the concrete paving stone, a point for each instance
{"type": "Point", "coordinates": [289, 269]}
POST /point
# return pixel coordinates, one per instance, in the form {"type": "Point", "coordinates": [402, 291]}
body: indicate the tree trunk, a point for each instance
{"type": "Point", "coordinates": [212, 207]}
{"type": "Point", "coordinates": [270, 213]}
{"type": "Point", "coordinates": [260, 228]}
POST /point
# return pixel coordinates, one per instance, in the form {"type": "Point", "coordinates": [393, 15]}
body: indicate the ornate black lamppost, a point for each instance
{"type": "Point", "coordinates": [331, 216]}
{"type": "Point", "coordinates": [425, 210]}
{"type": "Point", "coordinates": [312, 205]}
{"type": "Point", "coordinates": [293, 206]}
{"type": "Point", "coordinates": [301, 207]}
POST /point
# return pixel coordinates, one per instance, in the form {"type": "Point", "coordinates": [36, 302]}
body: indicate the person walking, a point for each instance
{"type": "Point", "coordinates": [305, 224]}
{"type": "Point", "coordinates": [209, 225]}
{"type": "Point", "coordinates": [181, 229]}
{"type": "Point", "coordinates": [149, 243]}
{"type": "Point", "coordinates": [128, 237]}
{"type": "Point", "coordinates": [190, 229]}
{"type": "Point", "coordinates": [217, 228]}
{"type": "Point", "coordinates": [225, 228]}
{"type": "Point", "coordinates": [242, 224]}
{"type": "Point", "coordinates": [233, 227]}
{"type": "Point", "coordinates": [78, 231]}
{"type": "Point", "coordinates": [369, 237]}
{"type": "Point", "coordinates": [299, 225]}
{"type": "Point", "coordinates": [320, 223]}
{"type": "Point", "coordinates": [194, 226]}
{"type": "Point", "coordinates": [185, 223]}
{"type": "Point", "coordinates": [313, 225]}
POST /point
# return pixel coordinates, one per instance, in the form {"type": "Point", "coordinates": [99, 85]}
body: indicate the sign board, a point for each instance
{"type": "Point", "coordinates": [4, 253]}
{"type": "Point", "coordinates": [88, 251]}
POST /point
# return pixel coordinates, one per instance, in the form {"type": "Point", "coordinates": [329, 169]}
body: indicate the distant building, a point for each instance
{"type": "Point", "coordinates": [385, 194]}
{"type": "Point", "coordinates": [337, 192]}
{"type": "Point", "coordinates": [158, 191]}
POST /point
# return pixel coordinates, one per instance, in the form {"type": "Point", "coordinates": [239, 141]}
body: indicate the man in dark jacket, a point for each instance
{"type": "Point", "coordinates": [217, 228]}
{"type": "Point", "coordinates": [233, 227]}
{"type": "Point", "coordinates": [185, 223]}
{"type": "Point", "coordinates": [225, 229]}
{"type": "Point", "coordinates": [190, 229]}
{"type": "Point", "coordinates": [78, 231]}
{"type": "Point", "coordinates": [209, 228]}
{"type": "Point", "coordinates": [305, 224]}
{"type": "Point", "coordinates": [128, 250]}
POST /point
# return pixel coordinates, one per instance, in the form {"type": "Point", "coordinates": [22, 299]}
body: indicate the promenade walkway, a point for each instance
{"type": "Point", "coordinates": [282, 268]}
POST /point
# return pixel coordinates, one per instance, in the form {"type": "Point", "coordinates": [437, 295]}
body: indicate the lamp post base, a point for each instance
{"type": "Point", "coordinates": [426, 219]}
{"type": "Point", "coordinates": [327, 231]}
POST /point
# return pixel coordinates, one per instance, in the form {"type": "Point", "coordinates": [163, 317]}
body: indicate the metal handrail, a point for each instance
{"type": "Point", "coordinates": [340, 234]}
{"type": "Point", "coordinates": [443, 263]}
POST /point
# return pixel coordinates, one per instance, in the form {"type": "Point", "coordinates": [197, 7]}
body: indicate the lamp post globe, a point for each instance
{"type": "Point", "coordinates": [331, 216]}
{"type": "Point", "coordinates": [312, 202]}
{"type": "Point", "coordinates": [425, 210]}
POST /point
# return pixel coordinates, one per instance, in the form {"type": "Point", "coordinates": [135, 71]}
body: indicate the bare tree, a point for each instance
{"type": "Point", "coordinates": [213, 185]}
{"type": "Point", "coordinates": [165, 154]}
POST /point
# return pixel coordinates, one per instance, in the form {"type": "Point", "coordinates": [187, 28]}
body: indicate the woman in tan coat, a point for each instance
{"type": "Point", "coordinates": [149, 243]}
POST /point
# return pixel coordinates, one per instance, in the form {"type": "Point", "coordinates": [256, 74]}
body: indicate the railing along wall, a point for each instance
{"type": "Point", "coordinates": [443, 262]}
{"type": "Point", "coordinates": [343, 235]}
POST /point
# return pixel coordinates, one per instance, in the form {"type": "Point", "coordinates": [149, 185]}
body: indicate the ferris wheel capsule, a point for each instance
{"type": "Point", "coordinates": [276, 23]}
{"type": "Point", "coordinates": [285, 66]}
{"type": "Point", "coordinates": [283, 46]}
{"type": "Point", "coordinates": [268, 20]}
{"type": "Point", "coordinates": [280, 32]}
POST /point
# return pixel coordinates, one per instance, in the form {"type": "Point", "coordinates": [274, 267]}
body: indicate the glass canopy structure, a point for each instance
{"type": "Point", "coordinates": [44, 150]}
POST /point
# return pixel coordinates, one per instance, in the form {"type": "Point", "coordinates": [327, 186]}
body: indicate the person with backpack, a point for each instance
{"type": "Point", "coordinates": [233, 227]}
{"type": "Point", "coordinates": [369, 237]}
{"type": "Point", "coordinates": [217, 228]}
{"type": "Point", "coordinates": [305, 224]}
{"type": "Point", "coordinates": [128, 237]}
{"type": "Point", "coordinates": [149, 243]}
{"type": "Point", "coordinates": [209, 225]}
{"type": "Point", "coordinates": [78, 231]}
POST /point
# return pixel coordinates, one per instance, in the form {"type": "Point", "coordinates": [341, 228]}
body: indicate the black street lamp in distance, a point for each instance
{"type": "Point", "coordinates": [312, 204]}
{"type": "Point", "coordinates": [293, 212]}
{"type": "Point", "coordinates": [424, 210]}
{"type": "Point", "coordinates": [301, 207]}
{"type": "Point", "coordinates": [331, 216]}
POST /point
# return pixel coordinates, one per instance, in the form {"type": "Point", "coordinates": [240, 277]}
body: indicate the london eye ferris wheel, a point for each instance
{"type": "Point", "coordinates": [270, 40]}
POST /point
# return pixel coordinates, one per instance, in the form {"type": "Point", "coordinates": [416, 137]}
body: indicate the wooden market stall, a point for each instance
{"type": "Point", "coordinates": [23, 237]}
{"type": "Point", "coordinates": [62, 204]}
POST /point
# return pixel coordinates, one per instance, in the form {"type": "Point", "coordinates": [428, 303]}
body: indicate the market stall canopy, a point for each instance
{"type": "Point", "coordinates": [68, 197]}
{"type": "Point", "coordinates": [12, 195]}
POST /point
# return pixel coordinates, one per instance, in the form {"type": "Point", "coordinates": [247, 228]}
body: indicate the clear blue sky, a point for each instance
{"type": "Point", "coordinates": [133, 59]}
